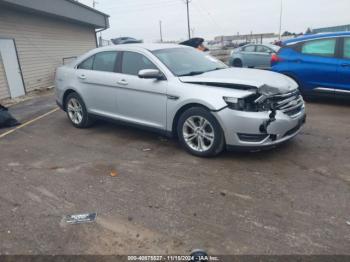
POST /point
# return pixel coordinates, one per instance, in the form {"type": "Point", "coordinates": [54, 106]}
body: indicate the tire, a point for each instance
{"type": "Point", "coordinates": [200, 133]}
{"type": "Point", "coordinates": [237, 63]}
{"type": "Point", "coordinates": [76, 111]}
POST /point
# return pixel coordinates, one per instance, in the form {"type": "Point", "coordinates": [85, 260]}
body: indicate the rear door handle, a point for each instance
{"type": "Point", "coordinates": [82, 77]}
{"type": "Point", "coordinates": [345, 65]}
{"type": "Point", "coordinates": [123, 82]}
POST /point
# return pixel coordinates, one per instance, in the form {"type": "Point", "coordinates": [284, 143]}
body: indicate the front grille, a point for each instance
{"type": "Point", "coordinates": [291, 103]}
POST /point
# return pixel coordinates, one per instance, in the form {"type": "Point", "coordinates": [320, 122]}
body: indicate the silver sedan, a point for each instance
{"type": "Point", "coordinates": [253, 56]}
{"type": "Point", "coordinates": [184, 93]}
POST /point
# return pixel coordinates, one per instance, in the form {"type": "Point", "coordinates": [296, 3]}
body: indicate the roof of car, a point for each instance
{"type": "Point", "coordinates": [150, 47]}
{"type": "Point", "coordinates": [267, 45]}
{"type": "Point", "coordinates": [315, 36]}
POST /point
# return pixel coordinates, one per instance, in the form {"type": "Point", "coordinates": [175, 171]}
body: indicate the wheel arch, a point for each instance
{"type": "Point", "coordinates": [180, 111]}
{"type": "Point", "coordinates": [65, 96]}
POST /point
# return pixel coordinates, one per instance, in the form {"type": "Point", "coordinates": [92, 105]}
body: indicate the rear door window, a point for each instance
{"type": "Point", "coordinates": [134, 62]}
{"type": "Point", "coordinates": [262, 49]}
{"type": "Point", "coordinates": [250, 48]}
{"type": "Point", "coordinates": [87, 64]}
{"type": "Point", "coordinates": [324, 47]}
{"type": "Point", "coordinates": [105, 61]}
{"type": "Point", "coordinates": [347, 48]}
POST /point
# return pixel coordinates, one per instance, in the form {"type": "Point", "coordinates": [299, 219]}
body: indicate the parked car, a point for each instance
{"type": "Point", "coordinates": [125, 40]}
{"type": "Point", "coordinates": [184, 93]}
{"type": "Point", "coordinates": [320, 63]}
{"type": "Point", "coordinates": [253, 56]}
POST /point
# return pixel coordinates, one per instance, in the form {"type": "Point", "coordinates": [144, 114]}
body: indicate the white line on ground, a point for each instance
{"type": "Point", "coordinates": [29, 122]}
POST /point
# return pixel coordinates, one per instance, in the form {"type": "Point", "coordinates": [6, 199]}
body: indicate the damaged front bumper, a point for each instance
{"type": "Point", "coordinates": [258, 130]}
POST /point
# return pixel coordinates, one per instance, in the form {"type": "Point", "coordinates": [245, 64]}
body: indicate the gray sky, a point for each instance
{"type": "Point", "coordinates": [140, 18]}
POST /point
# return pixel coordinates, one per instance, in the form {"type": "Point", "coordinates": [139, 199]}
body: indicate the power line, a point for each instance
{"type": "Point", "coordinates": [207, 13]}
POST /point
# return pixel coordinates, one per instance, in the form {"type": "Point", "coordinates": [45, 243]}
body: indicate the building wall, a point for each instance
{"type": "Point", "coordinates": [42, 42]}
{"type": "Point", "coordinates": [4, 91]}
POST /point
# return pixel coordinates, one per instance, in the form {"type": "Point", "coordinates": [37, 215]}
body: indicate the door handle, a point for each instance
{"type": "Point", "coordinates": [345, 65]}
{"type": "Point", "coordinates": [82, 77]}
{"type": "Point", "coordinates": [123, 82]}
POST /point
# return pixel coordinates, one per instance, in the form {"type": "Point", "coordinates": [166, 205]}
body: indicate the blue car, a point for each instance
{"type": "Point", "coordinates": [320, 63]}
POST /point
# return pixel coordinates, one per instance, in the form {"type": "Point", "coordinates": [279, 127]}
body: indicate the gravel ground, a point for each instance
{"type": "Point", "coordinates": [290, 200]}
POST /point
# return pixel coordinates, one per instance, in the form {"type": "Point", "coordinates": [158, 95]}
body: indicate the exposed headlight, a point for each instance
{"type": "Point", "coordinates": [235, 103]}
{"type": "Point", "coordinates": [248, 103]}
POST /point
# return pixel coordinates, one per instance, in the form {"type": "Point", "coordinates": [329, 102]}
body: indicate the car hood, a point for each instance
{"type": "Point", "coordinates": [265, 82]}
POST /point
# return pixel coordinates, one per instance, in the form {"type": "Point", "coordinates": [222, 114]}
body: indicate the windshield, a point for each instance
{"type": "Point", "coordinates": [188, 61]}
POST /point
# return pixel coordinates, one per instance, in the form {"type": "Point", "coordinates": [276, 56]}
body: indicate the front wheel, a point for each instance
{"type": "Point", "coordinates": [200, 133]}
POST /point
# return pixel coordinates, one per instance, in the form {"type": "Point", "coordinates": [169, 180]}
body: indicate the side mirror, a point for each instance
{"type": "Point", "coordinates": [151, 74]}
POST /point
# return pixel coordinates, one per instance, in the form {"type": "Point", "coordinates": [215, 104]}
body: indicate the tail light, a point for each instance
{"type": "Point", "coordinates": [275, 59]}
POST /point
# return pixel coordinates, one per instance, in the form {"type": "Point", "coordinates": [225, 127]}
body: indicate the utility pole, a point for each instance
{"type": "Point", "coordinates": [193, 31]}
{"type": "Point", "coordinates": [281, 14]}
{"type": "Point", "coordinates": [161, 32]}
{"type": "Point", "coordinates": [94, 3]}
{"type": "Point", "coordinates": [188, 18]}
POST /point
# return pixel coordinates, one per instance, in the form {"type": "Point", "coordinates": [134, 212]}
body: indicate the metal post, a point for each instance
{"type": "Point", "coordinates": [188, 18]}
{"type": "Point", "coordinates": [161, 32]}
{"type": "Point", "coordinates": [281, 14]}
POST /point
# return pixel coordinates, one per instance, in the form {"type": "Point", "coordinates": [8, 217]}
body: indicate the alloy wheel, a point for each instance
{"type": "Point", "coordinates": [75, 111]}
{"type": "Point", "coordinates": [198, 133]}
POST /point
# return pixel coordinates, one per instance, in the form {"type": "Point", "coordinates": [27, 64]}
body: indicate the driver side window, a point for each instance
{"type": "Point", "coordinates": [133, 63]}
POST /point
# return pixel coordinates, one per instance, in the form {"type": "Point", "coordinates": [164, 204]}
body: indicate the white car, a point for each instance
{"type": "Point", "coordinates": [184, 93]}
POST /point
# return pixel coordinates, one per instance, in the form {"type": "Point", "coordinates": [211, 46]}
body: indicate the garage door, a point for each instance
{"type": "Point", "coordinates": [4, 90]}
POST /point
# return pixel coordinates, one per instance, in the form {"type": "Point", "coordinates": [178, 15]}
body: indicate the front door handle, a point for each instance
{"type": "Point", "coordinates": [123, 82]}
{"type": "Point", "coordinates": [82, 77]}
{"type": "Point", "coordinates": [345, 65]}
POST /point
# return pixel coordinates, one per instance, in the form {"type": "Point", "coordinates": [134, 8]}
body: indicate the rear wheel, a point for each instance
{"type": "Point", "coordinates": [237, 63]}
{"type": "Point", "coordinates": [76, 111]}
{"type": "Point", "coordinates": [200, 133]}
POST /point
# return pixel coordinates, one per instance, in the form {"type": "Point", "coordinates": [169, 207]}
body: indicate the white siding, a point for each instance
{"type": "Point", "coordinates": [42, 42]}
{"type": "Point", "coordinates": [4, 91]}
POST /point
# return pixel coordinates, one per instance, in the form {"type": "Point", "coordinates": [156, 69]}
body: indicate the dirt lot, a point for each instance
{"type": "Point", "coordinates": [291, 200]}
